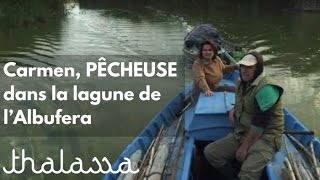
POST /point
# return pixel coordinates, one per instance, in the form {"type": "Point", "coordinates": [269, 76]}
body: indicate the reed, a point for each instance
{"type": "Point", "coordinates": [148, 158]}
{"type": "Point", "coordinates": [290, 170]}
{"type": "Point", "coordinates": [24, 13]}
{"type": "Point", "coordinates": [315, 162]}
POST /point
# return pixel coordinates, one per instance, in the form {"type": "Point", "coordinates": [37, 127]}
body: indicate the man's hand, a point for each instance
{"type": "Point", "coordinates": [232, 116]}
{"type": "Point", "coordinates": [241, 153]}
{"type": "Point", "coordinates": [249, 140]}
{"type": "Point", "coordinates": [208, 93]}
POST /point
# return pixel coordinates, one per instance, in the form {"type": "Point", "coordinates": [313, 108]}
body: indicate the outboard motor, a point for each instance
{"type": "Point", "coordinates": [200, 34]}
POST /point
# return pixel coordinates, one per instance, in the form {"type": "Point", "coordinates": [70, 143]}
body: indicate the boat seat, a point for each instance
{"type": "Point", "coordinates": [219, 103]}
{"type": "Point", "coordinates": [208, 119]}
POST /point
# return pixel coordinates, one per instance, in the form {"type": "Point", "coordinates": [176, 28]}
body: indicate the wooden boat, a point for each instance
{"type": "Point", "coordinates": [176, 136]}
{"type": "Point", "coordinates": [171, 145]}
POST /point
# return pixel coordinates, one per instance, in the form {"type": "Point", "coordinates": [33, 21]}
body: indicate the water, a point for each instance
{"type": "Point", "coordinates": [289, 42]}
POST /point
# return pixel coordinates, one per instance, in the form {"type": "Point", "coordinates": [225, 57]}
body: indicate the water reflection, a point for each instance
{"type": "Point", "coordinates": [29, 47]}
{"type": "Point", "coordinates": [103, 32]}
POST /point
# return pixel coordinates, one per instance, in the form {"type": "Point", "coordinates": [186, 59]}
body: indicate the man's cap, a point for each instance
{"type": "Point", "coordinates": [248, 60]}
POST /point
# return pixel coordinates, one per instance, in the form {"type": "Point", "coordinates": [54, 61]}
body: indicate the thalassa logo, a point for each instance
{"type": "Point", "coordinates": [76, 167]}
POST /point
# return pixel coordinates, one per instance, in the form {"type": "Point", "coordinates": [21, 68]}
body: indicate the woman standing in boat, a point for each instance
{"type": "Point", "coordinates": [259, 123]}
{"type": "Point", "coordinates": [208, 71]}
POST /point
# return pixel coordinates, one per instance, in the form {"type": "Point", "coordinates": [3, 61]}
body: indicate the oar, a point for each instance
{"type": "Point", "coordinates": [188, 102]}
{"type": "Point", "coordinates": [293, 132]}
{"type": "Point", "coordinates": [299, 146]}
{"type": "Point", "coordinates": [223, 51]}
{"type": "Point", "coordinates": [306, 154]}
{"type": "Point", "coordinates": [175, 163]}
{"type": "Point", "coordinates": [171, 146]}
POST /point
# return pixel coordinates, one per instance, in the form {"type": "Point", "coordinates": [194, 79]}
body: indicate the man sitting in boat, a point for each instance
{"type": "Point", "coordinates": [259, 124]}
{"type": "Point", "coordinates": [208, 71]}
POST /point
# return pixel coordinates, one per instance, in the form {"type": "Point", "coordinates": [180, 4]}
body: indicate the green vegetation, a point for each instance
{"type": "Point", "coordinates": [23, 13]}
